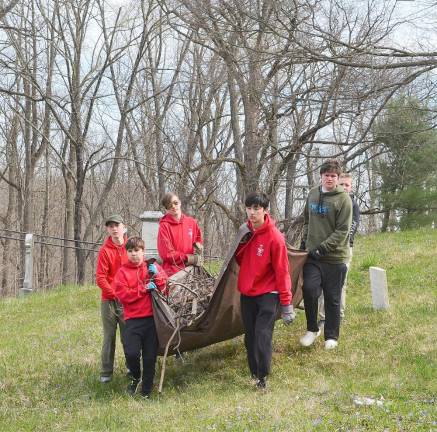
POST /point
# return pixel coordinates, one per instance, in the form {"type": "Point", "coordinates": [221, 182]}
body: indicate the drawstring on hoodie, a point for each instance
{"type": "Point", "coordinates": [320, 208]}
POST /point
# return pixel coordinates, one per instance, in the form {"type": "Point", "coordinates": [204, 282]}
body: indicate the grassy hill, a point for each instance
{"type": "Point", "coordinates": [50, 346]}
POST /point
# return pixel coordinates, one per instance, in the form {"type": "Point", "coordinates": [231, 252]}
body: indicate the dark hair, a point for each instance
{"type": "Point", "coordinates": [166, 199]}
{"type": "Point", "coordinates": [331, 165]}
{"type": "Point", "coordinates": [135, 243]}
{"type": "Point", "coordinates": [257, 199]}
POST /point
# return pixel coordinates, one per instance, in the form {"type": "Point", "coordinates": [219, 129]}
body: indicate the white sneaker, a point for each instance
{"type": "Point", "coordinates": [330, 344]}
{"type": "Point", "coordinates": [308, 338]}
{"type": "Point", "coordinates": [105, 379]}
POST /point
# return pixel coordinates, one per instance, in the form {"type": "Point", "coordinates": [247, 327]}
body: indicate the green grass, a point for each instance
{"type": "Point", "coordinates": [50, 346]}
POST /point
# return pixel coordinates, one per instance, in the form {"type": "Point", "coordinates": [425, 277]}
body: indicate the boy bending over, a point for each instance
{"type": "Point", "coordinates": [133, 284]}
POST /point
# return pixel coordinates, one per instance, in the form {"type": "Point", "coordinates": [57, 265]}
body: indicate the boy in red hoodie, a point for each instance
{"type": "Point", "coordinates": [264, 283]}
{"type": "Point", "coordinates": [111, 256]}
{"type": "Point", "coordinates": [179, 237]}
{"type": "Point", "coordinates": [133, 284]}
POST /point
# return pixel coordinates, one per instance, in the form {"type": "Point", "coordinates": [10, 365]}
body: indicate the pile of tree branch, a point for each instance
{"type": "Point", "coordinates": [189, 293]}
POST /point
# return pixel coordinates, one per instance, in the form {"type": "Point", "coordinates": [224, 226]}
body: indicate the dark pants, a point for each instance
{"type": "Point", "coordinates": [259, 315]}
{"type": "Point", "coordinates": [321, 277]}
{"type": "Point", "coordinates": [141, 340]}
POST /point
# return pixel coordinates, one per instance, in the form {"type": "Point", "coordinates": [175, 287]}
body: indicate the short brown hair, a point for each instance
{"type": "Point", "coordinates": [166, 199]}
{"type": "Point", "coordinates": [135, 243]}
{"type": "Point", "coordinates": [346, 175]}
{"type": "Point", "coordinates": [331, 165]}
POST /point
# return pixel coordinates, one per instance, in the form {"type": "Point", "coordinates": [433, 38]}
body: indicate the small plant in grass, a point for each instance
{"type": "Point", "coordinates": [370, 260]}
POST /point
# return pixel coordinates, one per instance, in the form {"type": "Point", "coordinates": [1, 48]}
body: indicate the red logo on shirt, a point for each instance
{"type": "Point", "coordinates": [190, 232]}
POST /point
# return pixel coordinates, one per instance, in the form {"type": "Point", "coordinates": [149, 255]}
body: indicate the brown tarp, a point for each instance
{"type": "Point", "coordinates": [221, 320]}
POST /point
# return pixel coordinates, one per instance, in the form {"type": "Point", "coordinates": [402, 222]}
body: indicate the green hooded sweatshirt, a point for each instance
{"type": "Point", "coordinates": [327, 222]}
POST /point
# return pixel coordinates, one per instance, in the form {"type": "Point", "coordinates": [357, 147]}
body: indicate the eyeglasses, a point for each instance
{"type": "Point", "coordinates": [173, 203]}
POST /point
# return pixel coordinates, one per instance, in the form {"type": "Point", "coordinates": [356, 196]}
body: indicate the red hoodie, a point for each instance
{"type": "Point", "coordinates": [109, 260]}
{"type": "Point", "coordinates": [175, 241]}
{"type": "Point", "coordinates": [130, 288]}
{"type": "Point", "coordinates": [263, 263]}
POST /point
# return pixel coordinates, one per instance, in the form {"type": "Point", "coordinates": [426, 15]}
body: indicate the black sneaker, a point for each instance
{"type": "Point", "coordinates": [132, 386]}
{"type": "Point", "coordinates": [145, 395]}
{"type": "Point", "coordinates": [179, 357]}
{"type": "Point", "coordinates": [261, 384]}
{"type": "Point", "coordinates": [253, 378]}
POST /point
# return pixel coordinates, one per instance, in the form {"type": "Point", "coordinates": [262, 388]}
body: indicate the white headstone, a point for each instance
{"type": "Point", "coordinates": [378, 285]}
{"type": "Point", "coordinates": [28, 265]}
{"type": "Point", "coordinates": [149, 232]}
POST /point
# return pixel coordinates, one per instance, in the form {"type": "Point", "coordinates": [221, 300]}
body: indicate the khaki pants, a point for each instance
{"type": "Point", "coordinates": [112, 314]}
{"type": "Point", "coordinates": [343, 294]}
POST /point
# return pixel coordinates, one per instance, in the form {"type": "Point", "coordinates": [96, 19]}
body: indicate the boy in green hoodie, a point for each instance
{"type": "Point", "coordinates": [327, 222]}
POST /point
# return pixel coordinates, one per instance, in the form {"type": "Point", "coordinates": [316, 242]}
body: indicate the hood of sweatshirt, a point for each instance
{"type": "Point", "coordinates": [338, 189]}
{"type": "Point", "coordinates": [111, 245]}
{"type": "Point", "coordinates": [268, 223]}
{"type": "Point", "coordinates": [168, 218]}
{"type": "Point", "coordinates": [132, 265]}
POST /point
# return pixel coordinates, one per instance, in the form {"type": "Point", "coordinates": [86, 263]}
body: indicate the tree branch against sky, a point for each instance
{"type": "Point", "coordinates": [106, 104]}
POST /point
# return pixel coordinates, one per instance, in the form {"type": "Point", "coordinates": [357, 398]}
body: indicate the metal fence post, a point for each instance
{"type": "Point", "coordinates": [28, 266]}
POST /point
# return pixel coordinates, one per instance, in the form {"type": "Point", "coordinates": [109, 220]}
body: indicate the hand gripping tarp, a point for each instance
{"type": "Point", "coordinates": [221, 320]}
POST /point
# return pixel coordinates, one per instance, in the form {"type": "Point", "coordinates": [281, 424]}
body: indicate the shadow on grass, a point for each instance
{"type": "Point", "coordinates": [79, 382]}
{"type": "Point", "coordinates": [216, 363]}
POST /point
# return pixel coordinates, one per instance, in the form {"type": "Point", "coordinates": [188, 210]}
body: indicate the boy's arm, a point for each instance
{"type": "Point", "coordinates": [305, 226]}
{"type": "Point", "coordinates": [280, 267]}
{"type": "Point", "coordinates": [342, 226]}
{"type": "Point", "coordinates": [102, 270]}
{"type": "Point", "coordinates": [355, 221]}
{"type": "Point", "coordinates": [198, 237]}
{"type": "Point", "coordinates": [122, 291]}
{"type": "Point", "coordinates": [166, 249]}
{"type": "Point", "coordinates": [160, 279]}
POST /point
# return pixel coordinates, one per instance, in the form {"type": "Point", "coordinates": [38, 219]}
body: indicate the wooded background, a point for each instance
{"type": "Point", "coordinates": [105, 105]}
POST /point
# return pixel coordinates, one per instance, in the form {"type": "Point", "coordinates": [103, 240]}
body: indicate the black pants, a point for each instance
{"type": "Point", "coordinates": [259, 315]}
{"type": "Point", "coordinates": [321, 277]}
{"type": "Point", "coordinates": [141, 340]}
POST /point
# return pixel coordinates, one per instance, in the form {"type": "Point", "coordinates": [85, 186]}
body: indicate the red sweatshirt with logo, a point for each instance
{"type": "Point", "coordinates": [175, 241]}
{"type": "Point", "coordinates": [263, 261]}
{"type": "Point", "coordinates": [130, 288]}
{"type": "Point", "coordinates": [109, 260]}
